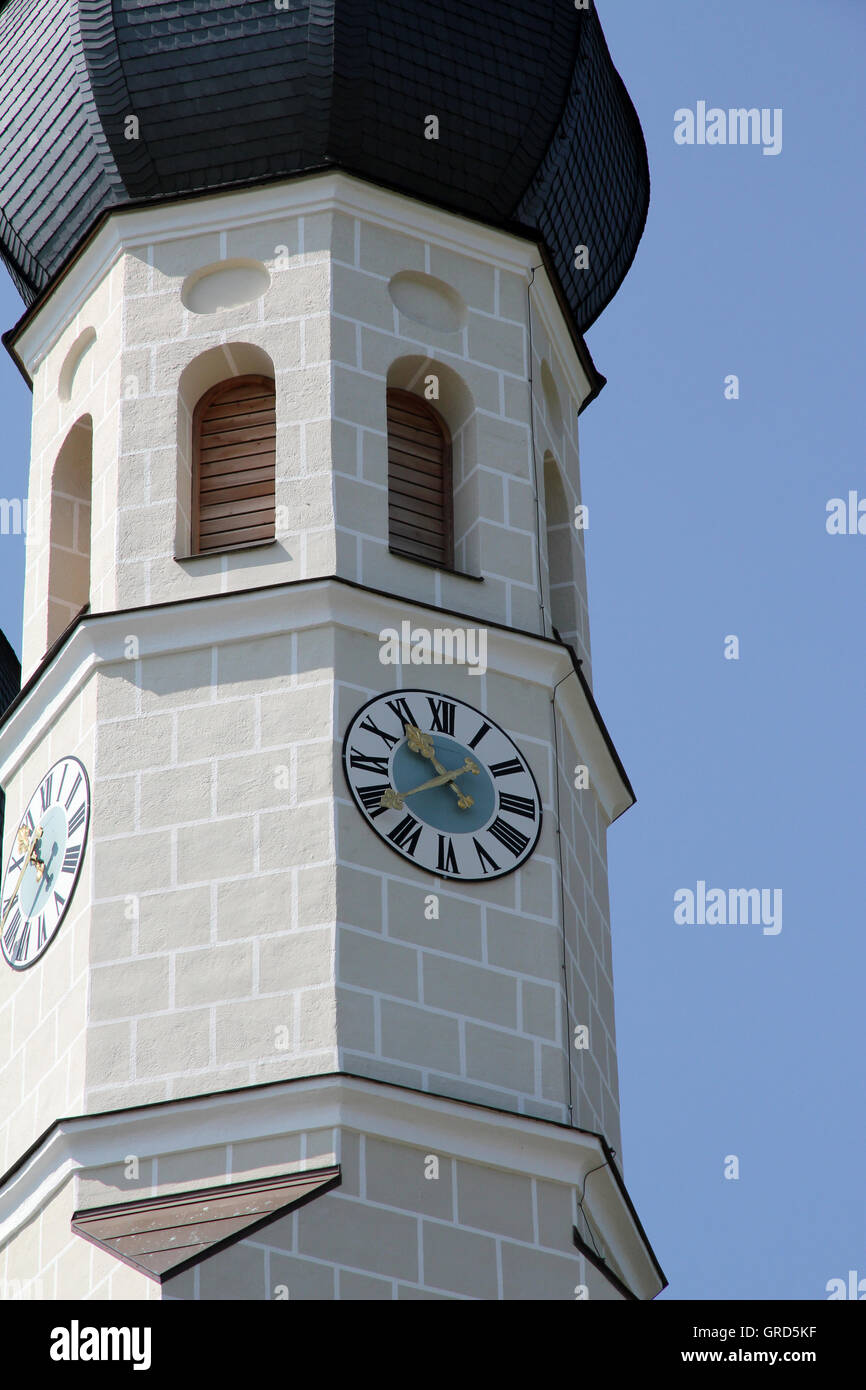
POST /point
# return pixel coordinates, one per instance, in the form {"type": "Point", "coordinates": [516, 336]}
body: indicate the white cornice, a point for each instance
{"type": "Point", "coordinates": [99, 639]}
{"type": "Point", "coordinates": [128, 229]}
{"type": "Point", "coordinates": [473, 1133]}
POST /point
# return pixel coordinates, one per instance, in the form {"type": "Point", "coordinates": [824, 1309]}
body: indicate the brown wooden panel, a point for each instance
{"type": "Point", "coordinates": [244, 388]}
{"type": "Point", "coordinates": [435, 483]}
{"type": "Point", "coordinates": [234, 448]}
{"type": "Point", "coordinates": [242, 410]}
{"type": "Point", "coordinates": [222, 539]}
{"type": "Point", "coordinates": [422, 522]}
{"type": "Point", "coordinates": [419, 479]}
{"type": "Point", "coordinates": [246, 478]}
{"type": "Point", "coordinates": [160, 1235]}
{"type": "Point", "coordinates": [236, 432]}
{"type": "Point", "coordinates": [430, 475]}
{"type": "Point", "coordinates": [240, 506]}
{"type": "Point", "coordinates": [421, 534]}
{"type": "Point", "coordinates": [405, 405]}
{"type": "Point", "coordinates": [250, 448]}
{"type": "Point", "coordinates": [240, 521]}
{"type": "Point", "coordinates": [222, 474]}
{"type": "Point", "coordinates": [414, 486]}
{"type": "Point", "coordinates": [428, 519]}
{"type": "Point", "coordinates": [426, 447]}
{"type": "Point", "coordinates": [214, 497]}
{"type": "Point", "coordinates": [416, 551]}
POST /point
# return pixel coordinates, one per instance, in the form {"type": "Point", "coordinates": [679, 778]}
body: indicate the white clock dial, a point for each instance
{"type": "Point", "coordinates": [44, 863]}
{"type": "Point", "coordinates": [442, 785]}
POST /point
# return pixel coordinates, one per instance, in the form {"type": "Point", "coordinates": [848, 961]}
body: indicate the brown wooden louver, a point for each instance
{"type": "Point", "coordinates": [163, 1235]}
{"type": "Point", "coordinates": [420, 496]}
{"type": "Point", "coordinates": [234, 462]}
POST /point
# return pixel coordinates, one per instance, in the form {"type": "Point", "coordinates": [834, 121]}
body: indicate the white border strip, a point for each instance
{"type": "Point", "coordinates": [98, 641]}
{"type": "Point", "coordinates": [130, 229]}
{"type": "Point", "coordinates": [516, 1143]}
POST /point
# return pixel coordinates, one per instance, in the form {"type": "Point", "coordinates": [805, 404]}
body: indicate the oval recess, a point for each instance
{"type": "Point", "coordinates": [428, 301]}
{"type": "Point", "coordinates": [73, 360]}
{"type": "Point", "coordinates": [224, 285]}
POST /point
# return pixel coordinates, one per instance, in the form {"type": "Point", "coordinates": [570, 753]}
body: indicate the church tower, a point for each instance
{"type": "Point", "coordinates": [306, 988]}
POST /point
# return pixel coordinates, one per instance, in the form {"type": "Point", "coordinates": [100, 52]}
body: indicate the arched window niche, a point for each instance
{"type": "Point", "coordinates": [442, 391]}
{"type": "Point", "coordinates": [226, 451]}
{"type": "Point", "coordinates": [560, 553]}
{"type": "Point", "coordinates": [70, 529]}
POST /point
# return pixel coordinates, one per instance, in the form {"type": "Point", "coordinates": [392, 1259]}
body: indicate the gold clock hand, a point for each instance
{"type": "Point", "coordinates": [27, 843]}
{"type": "Point", "coordinates": [394, 800]}
{"type": "Point", "coordinates": [419, 742]}
{"type": "Point", "coordinates": [422, 743]}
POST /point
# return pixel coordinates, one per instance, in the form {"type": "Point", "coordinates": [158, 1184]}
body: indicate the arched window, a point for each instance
{"type": "Point", "coordinates": [69, 540]}
{"type": "Point", "coordinates": [560, 558]}
{"type": "Point", "coordinates": [234, 464]}
{"type": "Point", "coordinates": [420, 493]}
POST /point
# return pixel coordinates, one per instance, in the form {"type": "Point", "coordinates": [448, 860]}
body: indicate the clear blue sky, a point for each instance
{"type": "Point", "coordinates": [707, 518]}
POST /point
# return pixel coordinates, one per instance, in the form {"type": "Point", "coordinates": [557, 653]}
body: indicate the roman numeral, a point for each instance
{"type": "Point", "coordinates": [407, 834]}
{"type": "Point", "coordinates": [70, 859]}
{"type": "Point", "coordinates": [365, 764]}
{"type": "Point", "coordinates": [517, 805]}
{"type": "Point", "coordinates": [22, 942]}
{"type": "Point", "coordinates": [403, 713]}
{"type": "Point", "coordinates": [77, 820]}
{"type": "Point", "coordinates": [447, 861]}
{"type": "Point", "coordinates": [484, 858]}
{"type": "Point", "coordinates": [12, 928]}
{"type": "Point", "coordinates": [371, 728]}
{"type": "Point", "coordinates": [443, 713]}
{"type": "Point", "coordinates": [371, 797]}
{"type": "Point", "coordinates": [59, 902]}
{"type": "Point", "coordinates": [62, 780]}
{"type": "Point", "coordinates": [71, 797]}
{"type": "Point", "coordinates": [45, 791]}
{"type": "Point", "coordinates": [41, 931]}
{"type": "Point", "coordinates": [485, 729]}
{"type": "Point", "coordinates": [509, 837]}
{"type": "Point", "coordinates": [15, 864]}
{"type": "Point", "coordinates": [30, 822]}
{"type": "Point", "coordinates": [505, 769]}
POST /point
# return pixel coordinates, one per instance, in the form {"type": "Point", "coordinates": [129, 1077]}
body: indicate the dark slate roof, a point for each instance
{"type": "Point", "coordinates": [536, 129]}
{"type": "Point", "coordinates": [10, 673]}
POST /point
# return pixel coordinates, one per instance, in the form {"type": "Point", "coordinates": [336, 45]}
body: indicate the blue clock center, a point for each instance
{"type": "Point", "coordinates": [438, 805]}
{"type": "Point", "coordinates": [35, 893]}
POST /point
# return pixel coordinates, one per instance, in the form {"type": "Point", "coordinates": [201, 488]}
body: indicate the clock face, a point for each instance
{"type": "Point", "coordinates": [44, 863]}
{"type": "Point", "coordinates": [442, 785]}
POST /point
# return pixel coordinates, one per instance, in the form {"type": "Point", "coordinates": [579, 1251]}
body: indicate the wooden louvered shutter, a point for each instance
{"type": "Point", "coordinates": [420, 505]}
{"type": "Point", "coordinates": [234, 464]}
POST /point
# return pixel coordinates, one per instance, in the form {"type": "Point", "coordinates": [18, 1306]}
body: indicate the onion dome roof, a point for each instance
{"type": "Point", "coordinates": [536, 130]}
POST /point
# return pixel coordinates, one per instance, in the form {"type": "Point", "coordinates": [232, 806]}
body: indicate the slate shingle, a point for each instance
{"type": "Point", "coordinates": [536, 128]}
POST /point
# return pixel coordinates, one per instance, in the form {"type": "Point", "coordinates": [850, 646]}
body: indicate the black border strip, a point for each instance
{"type": "Point", "coordinates": [598, 1263]}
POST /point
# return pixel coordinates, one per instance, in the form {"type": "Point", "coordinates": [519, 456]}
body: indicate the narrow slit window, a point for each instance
{"type": "Point", "coordinates": [420, 494]}
{"type": "Point", "coordinates": [234, 465]}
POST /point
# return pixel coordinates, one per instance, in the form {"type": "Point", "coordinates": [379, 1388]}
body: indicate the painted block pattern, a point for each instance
{"type": "Point", "coordinates": [409, 1225]}
{"type": "Point", "coordinates": [330, 331]}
